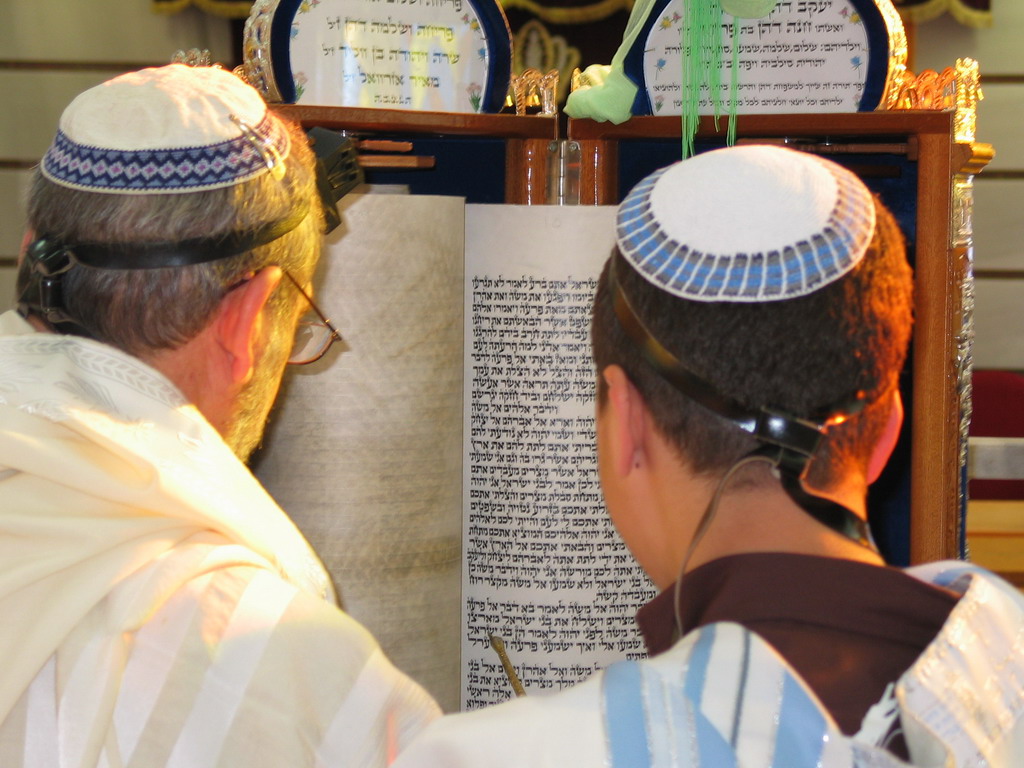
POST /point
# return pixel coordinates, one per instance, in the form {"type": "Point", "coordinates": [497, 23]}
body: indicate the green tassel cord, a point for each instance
{"type": "Point", "coordinates": [730, 136]}
{"type": "Point", "coordinates": [701, 42]}
{"type": "Point", "coordinates": [608, 94]}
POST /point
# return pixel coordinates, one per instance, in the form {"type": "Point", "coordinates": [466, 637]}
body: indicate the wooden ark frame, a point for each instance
{"type": "Point", "coordinates": [942, 259]}
{"type": "Point", "coordinates": [942, 269]}
{"type": "Point", "coordinates": [527, 141]}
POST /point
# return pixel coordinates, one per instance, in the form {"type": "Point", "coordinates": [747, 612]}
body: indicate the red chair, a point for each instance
{"type": "Point", "coordinates": [998, 401]}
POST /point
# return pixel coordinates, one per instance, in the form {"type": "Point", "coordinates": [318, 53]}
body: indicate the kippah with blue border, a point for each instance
{"type": "Point", "coordinates": [163, 170]}
{"type": "Point", "coordinates": [746, 224]}
{"type": "Point", "coordinates": [172, 129]}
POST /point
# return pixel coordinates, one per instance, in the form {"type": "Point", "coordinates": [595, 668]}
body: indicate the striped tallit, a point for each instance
{"type": "Point", "coordinates": [722, 697]}
{"type": "Point", "coordinates": [156, 606]}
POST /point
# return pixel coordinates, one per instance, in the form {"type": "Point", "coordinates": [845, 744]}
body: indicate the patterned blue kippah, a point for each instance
{"type": "Point", "coordinates": [158, 170]}
{"type": "Point", "coordinates": [746, 224]}
{"type": "Point", "coordinates": [170, 129]}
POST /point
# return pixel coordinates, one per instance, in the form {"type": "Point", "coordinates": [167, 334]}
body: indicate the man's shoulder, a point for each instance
{"type": "Point", "coordinates": [553, 729]}
{"type": "Point", "coordinates": [576, 726]}
{"type": "Point", "coordinates": [958, 576]}
{"type": "Point", "coordinates": [725, 692]}
{"type": "Point", "coordinates": [245, 601]}
{"type": "Point", "coordinates": [964, 692]}
{"type": "Point", "coordinates": [277, 657]}
{"type": "Point", "coordinates": [13, 324]}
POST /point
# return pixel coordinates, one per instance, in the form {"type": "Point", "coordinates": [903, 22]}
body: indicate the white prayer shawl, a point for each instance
{"type": "Point", "coordinates": [723, 697]}
{"type": "Point", "coordinates": [156, 606]}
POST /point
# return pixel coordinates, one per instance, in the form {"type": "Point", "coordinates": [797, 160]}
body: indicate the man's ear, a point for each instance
{"type": "Point", "coordinates": [627, 421]}
{"type": "Point", "coordinates": [26, 240]}
{"type": "Point", "coordinates": [239, 322]}
{"type": "Point", "coordinates": [887, 442]}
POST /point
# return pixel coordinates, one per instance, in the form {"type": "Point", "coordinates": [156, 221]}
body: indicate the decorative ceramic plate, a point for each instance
{"type": "Point", "coordinates": [804, 56]}
{"type": "Point", "coordinates": [436, 55]}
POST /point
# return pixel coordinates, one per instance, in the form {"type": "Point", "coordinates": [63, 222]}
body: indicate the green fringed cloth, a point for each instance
{"type": "Point", "coordinates": [231, 9]}
{"type": "Point", "coordinates": [607, 94]}
{"type": "Point", "coordinates": [972, 13]}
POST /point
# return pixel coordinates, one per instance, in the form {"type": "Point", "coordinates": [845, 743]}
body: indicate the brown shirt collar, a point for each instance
{"type": "Point", "coordinates": [847, 628]}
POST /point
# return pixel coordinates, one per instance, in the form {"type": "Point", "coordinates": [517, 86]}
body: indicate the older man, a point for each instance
{"type": "Point", "coordinates": [156, 606]}
{"type": "Point", "coordinates": [749, 333]}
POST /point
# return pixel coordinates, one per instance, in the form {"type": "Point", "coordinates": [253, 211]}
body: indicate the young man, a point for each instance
{"type": "Point", "coordinates": [748, 333]}
{"type": "Point", "coordinates": [156, 606]}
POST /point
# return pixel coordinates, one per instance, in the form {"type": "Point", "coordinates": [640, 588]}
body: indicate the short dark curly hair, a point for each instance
{"type": "Point", "coordinates": [798, 355]}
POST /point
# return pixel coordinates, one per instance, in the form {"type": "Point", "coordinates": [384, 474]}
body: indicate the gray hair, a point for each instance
{"type": "Point", "coordinates": [146, 310]}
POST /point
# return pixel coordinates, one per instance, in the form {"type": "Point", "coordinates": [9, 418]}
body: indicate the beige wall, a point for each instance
{"type": "Point", "coordinates": [96, 33]}
{"type": "Point", "coordinates": [51, 50]}
{"type": "Point", "coordinates": [999, 190]}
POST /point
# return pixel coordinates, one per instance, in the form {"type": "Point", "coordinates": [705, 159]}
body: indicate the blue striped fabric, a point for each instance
{"type": "Point", "coordinates": [654, 722]}
{"type": "Point", "coordinates": [802, 728]}
{"type": "Point", "coordinates": [696, 674]}
{"type": "Point", "coordinates": [624, 715]}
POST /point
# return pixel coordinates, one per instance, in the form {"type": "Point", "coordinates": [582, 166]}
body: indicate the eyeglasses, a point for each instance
{"type": "Point", "coordinates": [313, 337]}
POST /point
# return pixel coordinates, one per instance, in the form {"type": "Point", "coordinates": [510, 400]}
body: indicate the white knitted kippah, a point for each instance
{"type": "Point", "coordinates": [166, 129]}
{"type": "Point", "coordinates": [746, 224]}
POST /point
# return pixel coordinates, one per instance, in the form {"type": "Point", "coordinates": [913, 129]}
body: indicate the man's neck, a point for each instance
{"type": "Point", "coordinates": [764, 518]}
{"type": "Point", "coordinates": [38, 323]}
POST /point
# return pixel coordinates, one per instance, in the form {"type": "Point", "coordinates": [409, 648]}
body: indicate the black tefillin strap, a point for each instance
{"type": "Point", "coordinates": [43, 294]}
{"type": "Point", "coordinates": [337, 171]}
{"type": "Point", "coordinates": [788, 441]}
{"type": "Point", "coordinates": [185, 253]}
{"type": "Point", "coordinates": [49, 259]}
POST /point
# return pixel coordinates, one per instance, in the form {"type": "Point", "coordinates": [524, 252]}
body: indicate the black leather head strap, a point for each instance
{"type": "Point", "coordinates": [49, 259]}
{"type": "Point", "coordinates": [184, 253]}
